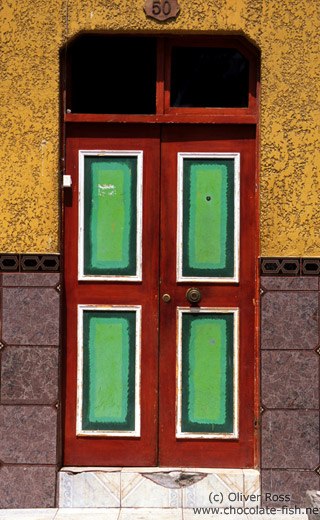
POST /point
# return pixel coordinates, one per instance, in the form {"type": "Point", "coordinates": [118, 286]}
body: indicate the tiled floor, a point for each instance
{"type": "Point", "coordinates": [129, 514]}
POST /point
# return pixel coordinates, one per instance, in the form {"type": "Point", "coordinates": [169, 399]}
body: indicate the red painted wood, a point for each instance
{"type": "Point", "coordinates": [198, 452]}
{"type": "Point", "coordinates": [143, 451]}
{"type": "Point", "coordinates": [115, 451]}
{"type": "Point", "coordinates": [218, 116]}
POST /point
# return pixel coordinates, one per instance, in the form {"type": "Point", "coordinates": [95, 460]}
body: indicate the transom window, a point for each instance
{"type": "Point", "coordinates": [147, 75]}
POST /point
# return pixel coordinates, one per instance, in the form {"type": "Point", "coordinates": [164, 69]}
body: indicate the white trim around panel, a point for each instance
{"type": "Point", "coordinates": [190, 435]}
{"type": "Point", "coordinates": [208, 155]}
{"type": "Point", "coordinates": [110, 153]}
{"type": "Point", "coordinates": [109, 433]}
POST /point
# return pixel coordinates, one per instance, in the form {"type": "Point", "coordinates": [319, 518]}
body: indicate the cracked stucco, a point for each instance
{"type": "Point", "coordinates": [287, 33]}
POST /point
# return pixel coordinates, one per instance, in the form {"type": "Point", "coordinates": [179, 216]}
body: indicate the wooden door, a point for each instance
{"type": "Point", "coordinates": [197, 232]}
{"type": "Point", "coordinates": [111, 248]}
{"type": "Point", "coordinates": [207, 349]}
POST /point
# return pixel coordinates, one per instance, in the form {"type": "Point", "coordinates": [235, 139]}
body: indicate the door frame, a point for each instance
{"type": "Point", "coordinates": [167, 116]}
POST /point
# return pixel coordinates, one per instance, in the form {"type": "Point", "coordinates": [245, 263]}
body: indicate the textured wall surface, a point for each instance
{"type": "Point", "coordinates": [33, 32]}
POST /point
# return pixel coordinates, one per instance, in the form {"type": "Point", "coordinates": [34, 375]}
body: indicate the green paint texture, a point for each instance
{"type": "Point", "coordinates": [207, 386]}
{"type": "Point", "coordinates": [207, 373]}
{"type": "Point", "coordinates": [108, 370]}
{"type": "Point", "coordinates": [207, 247]}
{"type": "Point", "coordinates": [110, 216]}
{"type": "Point", "coordinates": [208, 197]}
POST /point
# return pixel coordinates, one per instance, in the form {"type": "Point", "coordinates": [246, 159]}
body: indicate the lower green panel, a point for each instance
{"type": "Point", "coordinates": [207, 373]}
{"type": "Point", "coordinates": [109, 370]}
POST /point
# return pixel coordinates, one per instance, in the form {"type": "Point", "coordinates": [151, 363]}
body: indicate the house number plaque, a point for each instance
{"type": "Point", "coordinates": [161, 9]}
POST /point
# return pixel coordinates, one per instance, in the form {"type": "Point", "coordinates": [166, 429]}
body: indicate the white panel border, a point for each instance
{"type": "Point", "coordinates": [214, 310]}
{"type": "Point", "coordinates": [205, 155]}
{"type": "Point", "coordinates": [110, 153]}
{"type": "Point", "coordinates": [109, 433]}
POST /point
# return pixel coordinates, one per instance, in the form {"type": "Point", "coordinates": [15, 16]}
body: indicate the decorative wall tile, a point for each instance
{"type": "Point", "coordinates": [30, 316]}
{"type": "Point", "coordinates": [310, 266]}
{"type": "Point", "coordinates": [28, 434]}
{"type": "Point", "coordinates": [89, 489]}
{"type": "Point", "coordinates": [30, 279]}
{"type": "Point", "coordinates": [29, 262]}
{"type": "Point", "coordinates": [138, 491]}
{"type": "Point", "coordinates": [289, 320]}
{"type": "Point", "coordinates": [273, 283]}
{"type": "Point", "coordinates": [9, 262]}
{"type": "Point", "coordinates": [222, 483]}
{"type": "Point", "coordinates": [290, 266]}
{"type": "Point", "coordinates": [286, 482]}
{"type": "Point", "coordinates": [289, 379]}
{"type": "Point", "coordinates": [29, 375]}
{"type": "Point", "coordinates": [252, 486]}
{"type": "Point", "coordinates": [39, 262]}
{"type": "Point", "coordinates": [27, 486]}
{"type": "Point", "coordinates": [65, 479]}
{"type": "Point", "coordinates": [280, 266]}
{"type": "Point", "coordinates": [290, 439]}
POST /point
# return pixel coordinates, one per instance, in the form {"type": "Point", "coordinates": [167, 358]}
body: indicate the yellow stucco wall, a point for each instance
{"type": "Point", "coordinates": [287, 33]}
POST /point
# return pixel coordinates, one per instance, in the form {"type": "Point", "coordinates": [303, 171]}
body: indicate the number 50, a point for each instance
{"type": "Point", "coordinates": [158, 7]}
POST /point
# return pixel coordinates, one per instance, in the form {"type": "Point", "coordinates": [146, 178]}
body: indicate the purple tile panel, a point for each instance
{"type": "Point", "coordinates": [28, 434]}
{"type": "Point", "coordinates": [29, 375]}
{"type": "Point", "coordinates": [27, 487]}
{"type": "Point", "coordinates": [289, 320]}
{"type": "Point", "coordinates": [277, 482]}
{"type": "Point", "coordinates": [30, 316]}
{"type": "Point", "coordinates": [31, 279]}
{"type": "Point", "coordinates": [290, 379]}
{"type": "Point", "coordinates": [274, 283]}
{"type": "Point", "coordinates": [290, 439]}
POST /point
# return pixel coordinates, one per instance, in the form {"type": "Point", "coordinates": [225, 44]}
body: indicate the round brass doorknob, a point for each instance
{"type": "Point", "coordinates": [166, 298]}
{"type": "Point", "coordinates": [193, 295]}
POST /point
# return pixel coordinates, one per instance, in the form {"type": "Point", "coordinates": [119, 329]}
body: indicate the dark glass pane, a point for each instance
{"type": "Point", "coordinates": [208, 77]}
{"type": "Point", "coordinates": [113, 75]}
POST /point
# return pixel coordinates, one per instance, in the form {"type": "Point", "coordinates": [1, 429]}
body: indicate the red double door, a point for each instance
{"type": "Point", "coordinates": [177, 421]}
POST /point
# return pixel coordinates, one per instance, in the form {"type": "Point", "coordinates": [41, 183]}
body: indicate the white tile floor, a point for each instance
{"type": "Point", "coordinates": [129, 514]}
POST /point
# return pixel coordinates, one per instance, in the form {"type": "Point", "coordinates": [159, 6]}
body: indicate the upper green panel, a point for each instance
{"type": "Point", "coordinates": [110, 215]}
{"type": "Point", "coordinates": [109, 370]}
{"type": "Point", "coordinates": [208, 218]}
{"type": "Point", "coordinates": [207, 373]}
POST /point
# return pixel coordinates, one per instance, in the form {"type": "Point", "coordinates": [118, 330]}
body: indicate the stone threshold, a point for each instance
{"type": "Point", "coordinates": [154, 487]}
